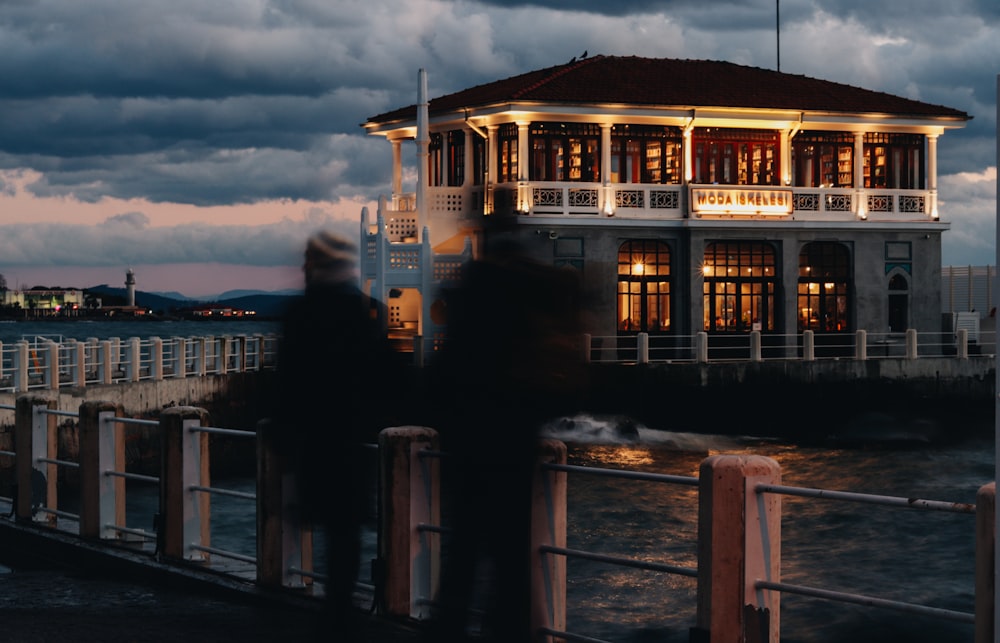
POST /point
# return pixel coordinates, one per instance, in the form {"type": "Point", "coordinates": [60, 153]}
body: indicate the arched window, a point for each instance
{"type": "Point", "coordinates": [740, 281]}
{"type": "Point", "coordinates": [824, 287]}
{"type": "Point", "coordinates": [644, 287]}
{"type": "Point", "coordinates": [899, 303]}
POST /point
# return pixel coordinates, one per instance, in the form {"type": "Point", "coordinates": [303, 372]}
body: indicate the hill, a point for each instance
{"type": "Point", "coordinates": [264, 304]}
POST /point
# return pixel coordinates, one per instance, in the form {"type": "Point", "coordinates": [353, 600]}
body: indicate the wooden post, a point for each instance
{"type": "Point", "coordinates": [283, 541]}
{"type": "Point", "coordinates": [986, 506]}
{"type": "Point", "coordinates": [102, 449]}
{"type": "Point", "coordinates": [548, 527]}
{"type": "Point", "coordinates": [184, 513]}
{"type": "Point", "coordinates": [410, 558]}
{"type": "Point", "coordinates": [808, 346]}
{"type": "Point", "coordinates": [739, 542]}
{"type": "Point", "coordinates": [34, 438]}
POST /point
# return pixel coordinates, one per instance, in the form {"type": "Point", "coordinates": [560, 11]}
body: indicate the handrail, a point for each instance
{"type": "Point", "coordinates": [867, 498]}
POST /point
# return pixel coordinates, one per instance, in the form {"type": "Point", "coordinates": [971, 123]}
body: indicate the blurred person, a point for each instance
{"type": "Point", "coordinates": [333, 353]}
{"type": "Point", "coordinates": [510, 361]}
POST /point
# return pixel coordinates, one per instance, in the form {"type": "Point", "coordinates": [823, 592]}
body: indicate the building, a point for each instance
{"type": "Point", "coordinates": [691, 195]}
{"type": "Point", "coordinates": [43, 302]}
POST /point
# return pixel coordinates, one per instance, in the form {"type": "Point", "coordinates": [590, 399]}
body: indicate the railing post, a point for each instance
{"type": "Point", "coordinates": [201, 360]}
{"type": "Point", "coordinates": [861, 345]}
{"type": "Point", "coordinates": [755, 354]}
{"type": "Point", "coordinates": [79, 363]}
{"type": "Point", "coordinates": [21, 379]}
{"type": "Point", "coordinates": [963, 343]}
{"type": "Point", "coordinates": [986, 505]}
{"type": "Point", "coordinates": [587, 342]}
{"type": "Point", "coordinates": [548, 527]}
{"type": "Point", "coordinates": [410, 557]}
{"type": "Point", "coordinates": [50, 367]}
{"type": "Point", "coordinates": [642, 348]}
{"type": "Point", "coordinates": [156, 355]}
{"type": "Point", "coordinates": [701, 347]}
{"type": "Point", "coordinates": [222, 355]}
{"type": "Point", "coordinates": [180, 357]}
{"type": "Point", "coordinates": [284, 543]}
{"type": "Point", "coordinates": [911, 343]}
{"type": "Point", "coordinates": [102, 449]}
{"type": "Point", "coordinates": [184, 517]}
{"type": "Point", "coordinates": [808, 346]}
{"type": "Point", "coordinates": [133, 367]}
{"type": "Point", "coordinates": [739, 543]}
{"type": "Point", "coordinates": [35, 437]}
{"type": "Point", "coordinates": [107, 368]}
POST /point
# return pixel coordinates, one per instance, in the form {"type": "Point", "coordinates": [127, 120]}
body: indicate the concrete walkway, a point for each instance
{"type": "Point", "coordinates": [59, 605]}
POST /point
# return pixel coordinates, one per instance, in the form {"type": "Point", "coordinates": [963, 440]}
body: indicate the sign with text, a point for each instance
{"type": "Point", "coordinates": [740, 200]}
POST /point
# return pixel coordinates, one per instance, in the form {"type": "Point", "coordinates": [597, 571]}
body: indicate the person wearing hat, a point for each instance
{"type": "Point", "coordinates": [333, 354]}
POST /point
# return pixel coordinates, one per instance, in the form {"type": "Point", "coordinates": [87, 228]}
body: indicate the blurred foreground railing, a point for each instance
{"type": "Point", "coordinates": [738, 561]}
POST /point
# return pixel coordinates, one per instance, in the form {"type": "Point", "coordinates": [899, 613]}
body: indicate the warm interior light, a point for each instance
{"type": "Point", "coordinates": [706, 270]}
{"type": "Point", "coordinates": [638, 268]}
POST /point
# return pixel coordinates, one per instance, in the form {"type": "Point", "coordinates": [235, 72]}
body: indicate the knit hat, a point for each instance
{"type": "Point", "coordinates": [327, 249]}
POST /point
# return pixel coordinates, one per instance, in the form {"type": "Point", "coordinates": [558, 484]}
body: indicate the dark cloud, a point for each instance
{"type": "Point", "coordinates": [238, 102]}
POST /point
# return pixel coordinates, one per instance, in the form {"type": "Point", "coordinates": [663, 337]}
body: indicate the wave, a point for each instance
{"type": "Point", "coordinates": [585, 428]}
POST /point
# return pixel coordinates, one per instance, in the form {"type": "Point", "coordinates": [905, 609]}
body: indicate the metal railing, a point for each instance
{"type": "Point", "coordinates": [52, 362]}
{"type": "Point", "coordinates": [410, 470]}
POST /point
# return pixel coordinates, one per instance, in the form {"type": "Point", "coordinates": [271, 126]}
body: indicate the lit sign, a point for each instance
{"type": "Point", "coordinates": [741, 200]}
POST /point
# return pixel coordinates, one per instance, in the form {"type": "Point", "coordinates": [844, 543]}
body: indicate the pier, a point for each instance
{"type": "Point", "coordinates": [737, 570]}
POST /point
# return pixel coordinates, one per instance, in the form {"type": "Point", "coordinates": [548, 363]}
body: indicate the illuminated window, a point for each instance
{"type": "Point", "coordinates": [740, 281]}
{"type": "Point", "coordinates": [645, 154]}
{"type": "Point", "coordinates": [894, 161]}
{"type": "Point", "coordinates": [736, 156]}
{"type": "Point", "coordinates": [565, 152]}
{"type": "Point", "coordinates": [507, 153]}
{"type": "Point", "coordinates": [824, 287]}
{"type": "Point", "coordinates": [644, 287]}
{"type": "Point", "coordinates": [823, 159]}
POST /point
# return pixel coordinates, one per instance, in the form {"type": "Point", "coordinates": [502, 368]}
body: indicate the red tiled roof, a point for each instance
{"type": "Point", "coordinates": [677, 83]}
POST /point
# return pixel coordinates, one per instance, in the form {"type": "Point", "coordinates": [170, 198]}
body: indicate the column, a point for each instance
{"type": "Point", "coordinates": [469, 158]}
{"type": "Point", "coordinates": [397, 171]}
{"type": "Point", "coordinates": [608, 196]}
{"type": "Point", "coordinates": [861, 207]}
{"type": "Point", "coordinates": [786, 158]}
{"type": "Point", "coordinates": [932, 175]}
{"type": "Point", "coordinates": [523, 194]}
{"type": "Point", "coordinates": [491, 165]}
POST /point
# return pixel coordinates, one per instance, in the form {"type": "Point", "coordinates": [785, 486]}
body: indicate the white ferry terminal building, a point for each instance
{"type": "Point", "coordinates": [690, 195]}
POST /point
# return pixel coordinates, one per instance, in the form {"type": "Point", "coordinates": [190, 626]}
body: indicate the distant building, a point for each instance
{"type": "Point", "coordinates": [214, 311]}
{"type": "Point", "coordinates": [690, 195]}
{"type": "Point", "coordinates": [130, 287]}
{"type": "Point", "coordinates": [44, 302]}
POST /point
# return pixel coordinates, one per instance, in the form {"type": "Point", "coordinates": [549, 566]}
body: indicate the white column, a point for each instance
{"type": "Point", "coordinates": [423, 140]}
{"type": "Point", "coordinates": [397, 168]}
{"type": "Point", "coordinates": [786, 158]}
{"type": "Point", "coordinates": [523, 199]}
{"type": "Point", "coordinates": [469, 159]}
{"type": "Point", "coordinates": [861, 207]}
{"type": "Point", "coordinates": [932, 174]}
{"type": "Point", "coordinates": [608, 196]}
{"type": "Point", "coordinates": [491, 166]}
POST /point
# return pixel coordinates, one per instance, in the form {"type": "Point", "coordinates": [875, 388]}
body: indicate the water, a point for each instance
{"type": "Point", "coordinates": [918, 557]}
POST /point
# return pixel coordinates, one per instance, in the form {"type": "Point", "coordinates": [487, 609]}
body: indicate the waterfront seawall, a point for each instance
{"type": "Point", "coordinates": [922, 399]}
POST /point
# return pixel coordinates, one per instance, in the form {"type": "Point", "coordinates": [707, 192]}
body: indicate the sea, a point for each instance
{"type": "Point", "coordinates": [907, 555]}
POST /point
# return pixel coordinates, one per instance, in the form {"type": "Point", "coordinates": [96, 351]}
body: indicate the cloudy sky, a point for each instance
{"type": "Point", "coordinates": [201, 142]}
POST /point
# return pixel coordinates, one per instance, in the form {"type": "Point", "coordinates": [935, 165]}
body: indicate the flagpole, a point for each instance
{"type": "Point", "coordinates": [777, 28]}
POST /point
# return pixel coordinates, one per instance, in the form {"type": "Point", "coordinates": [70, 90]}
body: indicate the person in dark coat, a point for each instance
{"type": "Point", "coordinates": [511, 360]}
{"type": "Point", "coordinates": [332, 357]}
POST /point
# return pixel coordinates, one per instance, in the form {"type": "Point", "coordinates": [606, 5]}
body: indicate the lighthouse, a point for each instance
{"type": "Point", "coordinates": [130, 287]}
